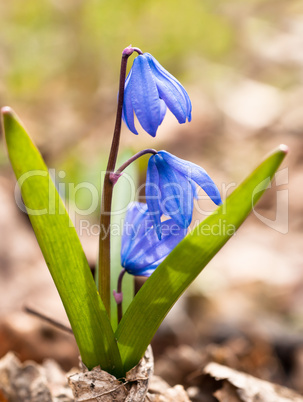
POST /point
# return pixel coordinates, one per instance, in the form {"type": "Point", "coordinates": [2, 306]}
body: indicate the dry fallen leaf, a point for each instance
{"type": "Point", "coordinates": [97, 385]}
{"type": "Point", "coordinates": [30, 381]}
{"type": "Point", "coordinates": [243, 387]}
{"type": "Point", "coordinates": [140, 385]}
{"type": "Point", "coordinates": [160, 391]}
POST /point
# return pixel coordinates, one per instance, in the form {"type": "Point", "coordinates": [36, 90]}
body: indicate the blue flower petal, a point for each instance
{"type": "Point", "coordinates": [171, 91]}
{"type": "Point", "coordinates": [149, 251]}
{"type": "Point", "coordinates": [146, 271]}
{"type": "Point", "coordinates": [195, 173]}
{"type": "Point", "coordinates": [152, 194]}
{"type": "Point", "coordinates": [172, 99]}
{"type": "Point", "coordinates": [176, 193]}
{"type": "Point", "coordinates": [162, 110]}
{"type": "Point", "coordinates": [136, 221]}
{"type": "Point", "coordinates": [144, 95]}
{"type": "Point", "coordinates": [128, 111]}
{"type": "Point", "coordinates": [194, 188]}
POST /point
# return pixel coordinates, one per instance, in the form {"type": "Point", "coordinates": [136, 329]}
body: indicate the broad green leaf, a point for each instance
{"type": "Point", "coordinates": [186, 261]}
{"type": "Point", "coordinates": [124, 193]}
{"type": "Point", "coordinates": [62, 250]}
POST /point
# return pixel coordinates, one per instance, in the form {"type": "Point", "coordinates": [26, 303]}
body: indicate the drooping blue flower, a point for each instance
{"type": "Point", "coordinates": [149, 89]}
{"type": "Point", "coordinates": [141, 250]}
{"type": "Point", "coordinates": [171, 188]}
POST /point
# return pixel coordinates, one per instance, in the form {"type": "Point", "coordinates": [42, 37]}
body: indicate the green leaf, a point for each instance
{"type": "Point", "coordinates": [186, 261]}
{"type": "Point", "coordinates": [62, 250]}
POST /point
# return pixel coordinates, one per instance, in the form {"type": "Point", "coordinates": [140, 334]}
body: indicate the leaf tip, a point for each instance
{"type": "Point", "coordinates": [8, 115]}
{"type": "Point", "coordinates": [9, 119]}
{"type": "Point", "coordinates": [6, 110]}
{"type": "Point", "coordinates": [284, 148]}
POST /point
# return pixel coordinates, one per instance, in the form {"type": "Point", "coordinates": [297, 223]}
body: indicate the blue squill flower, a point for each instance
{"type": "Point", "coordinates": [171, 188]}
{"type": "Point", "coordinates": [141, 250]}
{"type": "Point", "coordinates": [149, 89]}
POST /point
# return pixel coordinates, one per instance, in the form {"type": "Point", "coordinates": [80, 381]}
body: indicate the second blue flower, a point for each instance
{"type": "Point", "coordinates": [170, 188]}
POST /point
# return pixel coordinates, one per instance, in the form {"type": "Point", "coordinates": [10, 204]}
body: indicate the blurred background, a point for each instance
{"type": "Point", "coordinates": [241, 63]}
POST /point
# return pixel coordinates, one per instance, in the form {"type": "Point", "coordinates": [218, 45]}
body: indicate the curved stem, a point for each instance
{"type": "Point", "coordinates": [130, 49]}
{"type": "Point", "coordinates": [104, 239]}
{"type": "Point", "coordinates": [115, 176]}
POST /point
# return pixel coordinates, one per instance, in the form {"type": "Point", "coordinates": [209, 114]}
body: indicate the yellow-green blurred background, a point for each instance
{"type": "Point", "coordinates": [60, 60]}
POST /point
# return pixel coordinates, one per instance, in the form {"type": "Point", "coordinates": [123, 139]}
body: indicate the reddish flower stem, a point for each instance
{"type": "Point", "coordinates": [115, 176]}
{"type": "Point", "coordinates": [104, 239]}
